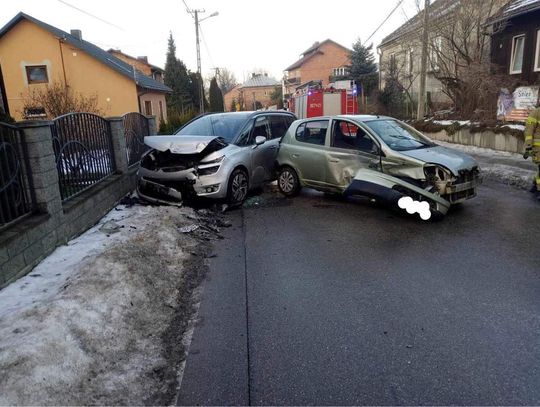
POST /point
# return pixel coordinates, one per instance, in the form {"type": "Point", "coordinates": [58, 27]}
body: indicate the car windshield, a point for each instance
{"type": "Point", "coordinates": [398, 136]}
{"type": "Point", "coordinates": [225, 125]}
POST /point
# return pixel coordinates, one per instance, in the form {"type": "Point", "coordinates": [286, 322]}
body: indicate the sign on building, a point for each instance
{"type": "Point", "coordinates": [516, 106]}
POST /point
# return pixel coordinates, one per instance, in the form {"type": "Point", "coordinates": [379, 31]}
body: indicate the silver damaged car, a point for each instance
{"type": "Point", "coordinates": [220, 155]}
{"type": "Point", "coordinates": [378, 157]}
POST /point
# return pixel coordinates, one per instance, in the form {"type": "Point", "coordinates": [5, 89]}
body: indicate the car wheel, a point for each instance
{"type": "Point", "coordinates": [288, 182]}
{"type": "Point", "coordinates": [238, 187]}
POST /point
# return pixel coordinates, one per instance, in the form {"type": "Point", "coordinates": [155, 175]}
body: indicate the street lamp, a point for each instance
{"type": "Point", "coordinates": [199, 70]}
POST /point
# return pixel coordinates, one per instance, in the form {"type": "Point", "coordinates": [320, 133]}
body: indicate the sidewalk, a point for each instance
{"type": "Point", "coordinates": [501, 166]}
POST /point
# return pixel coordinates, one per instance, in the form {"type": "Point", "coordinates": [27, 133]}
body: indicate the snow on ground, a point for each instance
{"type": "Point", "coordinates": [501, 166]}
{"type": "Point", "coordinates": [451, 122]}
{"type": "Point", "coordinates": [90, 324]}
{"type": "Point", "coordinates": [515, 126]}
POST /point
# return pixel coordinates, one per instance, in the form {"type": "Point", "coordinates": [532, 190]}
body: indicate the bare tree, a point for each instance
{"type": "Point", "coordinates": [57, 99]}
{"type": "Point", "coordinates": [459, 55]}
{"type": "Point", "coordinates": [226, 80]}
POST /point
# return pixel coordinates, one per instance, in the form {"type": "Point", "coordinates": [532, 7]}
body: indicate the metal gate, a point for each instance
{"type": "Point", "coordinates": [136, 128]}
{"type": "Point", "coordinates": [84, 152]}
{"type": "Point", "coordinates": [16, 190]}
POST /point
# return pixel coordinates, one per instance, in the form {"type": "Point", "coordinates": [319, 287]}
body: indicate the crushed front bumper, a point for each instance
{"type": "Point", "coordinates": [173, 187]}
{"type": "Point", "coordinates": [390, 189]}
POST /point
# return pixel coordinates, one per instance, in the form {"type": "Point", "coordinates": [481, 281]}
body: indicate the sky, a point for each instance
{"type": "Point", "coordinates": [244, 36]}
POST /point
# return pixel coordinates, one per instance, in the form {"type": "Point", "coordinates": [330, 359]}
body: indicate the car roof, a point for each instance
{"type": "Point", "coordinates": [250, 114]}
{"type": "Point", "coordinates": [357, 117]}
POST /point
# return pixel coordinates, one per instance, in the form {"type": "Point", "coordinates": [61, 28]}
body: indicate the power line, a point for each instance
{"type": "Point", "coordinates": [206, 47]}
{"type": "Point", "coordinates": [385, 20]}
{"type": "Point", "coordinates": [91, 15]}
{"type": "Point", "coordinates": [187, 8]}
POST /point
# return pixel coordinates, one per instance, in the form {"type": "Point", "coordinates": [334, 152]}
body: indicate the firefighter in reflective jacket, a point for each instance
{"type": "Point", "coordinates": [532, 145]}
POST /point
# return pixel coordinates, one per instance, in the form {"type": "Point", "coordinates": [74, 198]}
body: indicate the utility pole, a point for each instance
{"type": "Point", "coordinates": [199, 70]}
{"type": "Point", "coordinates": [423, 65]}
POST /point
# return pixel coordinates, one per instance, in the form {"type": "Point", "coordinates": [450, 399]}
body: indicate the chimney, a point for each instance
{"type": "Point", "coordinates": [266, 74]}
{"type": "Point", "coordinates": [143, 58]}
{"type": "Point", "coordinates": [77, 34]}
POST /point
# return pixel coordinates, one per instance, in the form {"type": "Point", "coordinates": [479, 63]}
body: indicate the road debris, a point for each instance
{"type": "Point", "coordinates": [105, 322]}
{"type": "Point", "coordinates": [188, 229]}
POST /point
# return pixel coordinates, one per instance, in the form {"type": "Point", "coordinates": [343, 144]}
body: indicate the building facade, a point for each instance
{"type": "Point", "coordinates": [34, 55]}
{"type": "Point", "coordinates": [323, 63]}
{"type": "Point", "coordinates": [400, 52]}
{"type": "Point", "coordinates": [515, 41]}
{"type": "Point", "coordinates": [151, 103]}
{"type": "Point", "coordinates": [253, 94]}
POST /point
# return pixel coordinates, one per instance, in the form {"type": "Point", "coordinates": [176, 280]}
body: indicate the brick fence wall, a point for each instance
{"type": "Point", "coordinates": [24, 244]}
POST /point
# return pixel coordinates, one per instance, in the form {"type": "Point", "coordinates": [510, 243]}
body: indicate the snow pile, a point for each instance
{"type": "Point", "coordinates": [515, 126]}
{"type": "Point", "coordinates": [90, 324]}
{"type": "Point", "coordinates": [451, 122]}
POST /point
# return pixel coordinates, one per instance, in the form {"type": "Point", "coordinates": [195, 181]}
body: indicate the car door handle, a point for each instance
{"type": "Point", "coordinates": [333, 160]}
{"type": "Point", "coordinates": [296, 155]}
{"type": "Point", "coordinates": [273, 147]}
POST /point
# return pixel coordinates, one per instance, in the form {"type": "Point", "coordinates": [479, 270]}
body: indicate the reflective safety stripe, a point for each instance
{"type": "Point", "coordinates": [536, 144]}
{"type": "Point", "coordinates": [532, 120]}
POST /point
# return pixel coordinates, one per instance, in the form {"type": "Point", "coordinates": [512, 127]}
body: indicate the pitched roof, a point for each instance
{"type": "Point", "coordinates": [259, 81]}
{"type": "Point", "coordinates": [315, 49]}
{"type": "Point", "coordinates": [142, 61]}
{"type": "Point", "coordinates": [101, 55]}
{"type": "Point", "coordinates": [438, 9]}
{"type": "Point", "coordinates": [514, 8]}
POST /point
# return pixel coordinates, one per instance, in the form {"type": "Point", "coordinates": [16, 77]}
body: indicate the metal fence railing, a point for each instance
{"type": "Point", "coordinates": [16, 191]}
{"type": "Point", "coordinates": [84, 152]}
{"type": "Point", "coordinates": [136, 128]}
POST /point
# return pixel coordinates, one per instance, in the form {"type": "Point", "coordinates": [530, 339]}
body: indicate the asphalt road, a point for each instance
{"type": "Point", "coordinates": [316, 301]}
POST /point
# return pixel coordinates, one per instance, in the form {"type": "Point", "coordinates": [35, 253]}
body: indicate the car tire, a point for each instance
{"type": "Point", "coordinates": [238, 187]}
{"type": "Point", "coordinates": [288, 182]}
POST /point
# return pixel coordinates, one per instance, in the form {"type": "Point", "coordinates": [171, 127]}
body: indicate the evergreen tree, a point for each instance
{"type": "Point", "coordinates": [363, 68]}
{"type": "Point", "coordinates": [216, 97]}
{"type": "Point", "coordinates": [232, 108]}
{"type": "Point", "coordinates": [177, 78]}
{"type": "Point", "coordinates": [195, 90]}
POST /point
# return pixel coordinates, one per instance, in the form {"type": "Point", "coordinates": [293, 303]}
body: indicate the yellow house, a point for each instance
{"type": "Point", "coordinates": [34, 54]}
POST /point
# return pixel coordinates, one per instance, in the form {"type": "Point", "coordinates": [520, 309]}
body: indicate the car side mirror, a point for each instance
{"type": "Point", "coordinates": [260, 140]}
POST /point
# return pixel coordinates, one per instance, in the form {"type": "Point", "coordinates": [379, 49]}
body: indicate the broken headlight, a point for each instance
{"type": "Point", "coordinates": [210, 167]}
{"type": "Point", "coordinates": [438, 176]}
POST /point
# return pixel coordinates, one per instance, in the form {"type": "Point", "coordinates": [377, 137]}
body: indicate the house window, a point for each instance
{"type": "Point", "coordinates": [409, 61]}
{"type": "Point", "coordinates": [435, 52]}
{"type": "Point", "coordinates": [516, 61]}
{"type": "Point", "coordinates": [393, 65]}
{"type": "Point", "coordinates": [161, 110]}
{"type": "Point", "coordinates": [339, 71]}
{"type": "Point", "coordinates": [148, 107]}
{"type": "Point", "coordinates": [34, 112]}
{"type": "Point", "coordinates": [537, 57]}
{"type": "Point", "coordinates": [36, 74]}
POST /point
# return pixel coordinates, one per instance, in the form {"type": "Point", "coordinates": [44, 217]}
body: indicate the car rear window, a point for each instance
{"type": "Point", "coordinates": [312, 132]}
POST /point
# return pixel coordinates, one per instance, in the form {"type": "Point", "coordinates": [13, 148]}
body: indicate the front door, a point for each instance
{"type": "Point", "coordinates": [351, 149]}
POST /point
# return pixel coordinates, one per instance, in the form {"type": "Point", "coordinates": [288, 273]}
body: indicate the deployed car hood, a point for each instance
{"type": "Point", "coordinates": [185, 144]}
{"type": "Point", "coordinates": [451, 159]}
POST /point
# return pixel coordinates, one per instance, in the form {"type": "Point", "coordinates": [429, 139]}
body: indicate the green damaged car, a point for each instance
{"type": "Point", "coordinates": [378, 157]}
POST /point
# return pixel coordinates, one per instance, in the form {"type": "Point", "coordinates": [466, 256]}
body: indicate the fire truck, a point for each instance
{"type": "Point", "coordinates": [324, 102]}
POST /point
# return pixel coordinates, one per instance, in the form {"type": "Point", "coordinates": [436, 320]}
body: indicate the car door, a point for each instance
{"type": "Point", "coordinates": [308, 150]}
{"type": "Point", "coordinates": [351, 148]}
{"type": "Point", "coordinates": [263, 156]}
{"type": "Point", "coordinates": [278, 128]}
